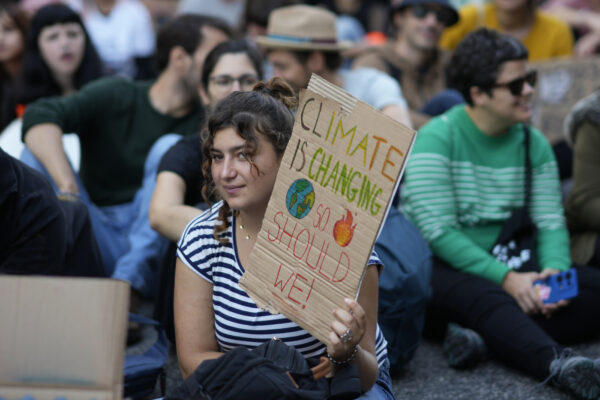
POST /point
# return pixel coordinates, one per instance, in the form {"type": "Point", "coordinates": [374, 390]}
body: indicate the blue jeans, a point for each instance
{"type": "Point", "coordinates": [131, 250]}
{"type": "Point", "coordinates": [382, 390]}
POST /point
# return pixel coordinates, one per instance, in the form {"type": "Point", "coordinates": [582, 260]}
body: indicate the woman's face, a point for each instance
{"type": "Point", "coordinates": [62, 47]}
{"type": "Point", "coordinates": [243, 185]}
{"type": "Point", "coordinates": [233, 72]}
{"type": "Point", "coordinates": [11, 39]}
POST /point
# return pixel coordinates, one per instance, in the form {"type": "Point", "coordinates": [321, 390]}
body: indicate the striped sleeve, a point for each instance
{"type": "Point", "coordinates": [197, 247]}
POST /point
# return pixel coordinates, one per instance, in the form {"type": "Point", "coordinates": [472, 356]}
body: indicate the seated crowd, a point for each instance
{"type": "Point", "coordinates": [149, 161]}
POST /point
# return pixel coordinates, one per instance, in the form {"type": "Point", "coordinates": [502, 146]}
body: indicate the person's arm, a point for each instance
{"type": "Point", "coordinates": [45, 142]}
{"type": "Point", "coordinates": [168, 214]}
{"type": "Point", "coordinates": [47, 119]}
{"type": "Point", "coordinates": [361, 318]}
{"type": "Point", "coordinates": [577, 18]}
{"type": "Point", "coordinates": [194, 320]}
{"type": "Point", "coordinates": [429, 200]}
{"type": "Point", "coordinates": [370, 59]}
{"type": "Point", "coordinates": [398, 113]}
{"type": "Point", "coordinates": [385, 94]}
{"type": "Point", "coordinates": [583, 202]}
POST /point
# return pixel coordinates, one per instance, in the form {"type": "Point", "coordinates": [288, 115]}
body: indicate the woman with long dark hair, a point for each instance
{"type": "Point", "coordinates": [59, 57]}
{"type": "Point", "coordinates": [13, 27]}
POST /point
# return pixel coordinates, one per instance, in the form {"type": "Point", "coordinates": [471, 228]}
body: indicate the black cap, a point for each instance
{"type": "Point", "coordinates": [398, 5]}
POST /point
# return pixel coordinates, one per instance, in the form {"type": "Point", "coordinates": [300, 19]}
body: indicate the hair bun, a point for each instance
{"type": "Point", "coordinates": [279, 89]}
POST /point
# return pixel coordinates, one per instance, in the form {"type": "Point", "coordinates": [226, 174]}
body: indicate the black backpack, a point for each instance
{"type": "Point", "coordinates": [271, 371]}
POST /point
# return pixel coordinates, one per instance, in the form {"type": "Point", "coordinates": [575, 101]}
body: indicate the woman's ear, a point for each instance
{"type": "Point", "coordinates": [203, 95]}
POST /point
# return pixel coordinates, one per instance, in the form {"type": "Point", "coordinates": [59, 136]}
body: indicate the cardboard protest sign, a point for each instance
{"type": "Point", "coordinates": [62, 337]}
{"type": "Point", "coordinates": [332, 192]}
{"type": "Point", "coordinates": [561, 83]}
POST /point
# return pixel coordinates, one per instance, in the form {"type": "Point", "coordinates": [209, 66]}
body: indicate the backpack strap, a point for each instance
{"type": "Point", "coordinates": [528, 168]}
{"type": "Point", "coordinates": [323, 368]}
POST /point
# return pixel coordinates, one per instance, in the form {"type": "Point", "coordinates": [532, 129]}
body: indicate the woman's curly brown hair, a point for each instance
{"type": "Point", "coordinates": [266, 110]}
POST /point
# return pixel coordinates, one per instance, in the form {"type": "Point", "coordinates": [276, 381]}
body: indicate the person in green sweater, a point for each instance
{"type": "Point", "coordinates": [464, 178]}
{"type": "Point", "coordinates": [122, 127]}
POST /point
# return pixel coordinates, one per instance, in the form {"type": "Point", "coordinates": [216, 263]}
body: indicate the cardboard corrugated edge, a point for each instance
{"type": "Point", "coordinates": [60, 331]}
{"type": "Point", "coordinates": [346, 104]}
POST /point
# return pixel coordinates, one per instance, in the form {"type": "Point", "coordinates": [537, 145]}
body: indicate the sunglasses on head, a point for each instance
{"type": "Point", "coordinates": [516, 85]}
{"type": "Point", "coordinates": [443, 15]}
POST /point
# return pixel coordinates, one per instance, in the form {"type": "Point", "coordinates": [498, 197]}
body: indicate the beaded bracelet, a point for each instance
{"type": "Point", "coordinates": [68, 196]}
{"type": "Point", "coordinates": [345, 362]}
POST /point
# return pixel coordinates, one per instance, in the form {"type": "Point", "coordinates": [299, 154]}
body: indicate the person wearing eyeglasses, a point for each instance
{"type": "Point", "coordinates": [413, 56]}
{"type": "Point", "coordinates": [466, 175]}
{"type": "Point", "coordinates": [231, 66]}
{"type": "Point", "coordinates": [545, 36]}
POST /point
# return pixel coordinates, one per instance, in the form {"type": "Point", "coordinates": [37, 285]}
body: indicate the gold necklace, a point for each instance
{"type": "Point", "coordinates": [243, 228]}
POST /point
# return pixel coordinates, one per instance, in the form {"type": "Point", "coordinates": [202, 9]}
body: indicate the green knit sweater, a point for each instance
{"type": "Point", "coordinates": [117, 126]}
{"type": "Point", "coordinates": [461, 185]}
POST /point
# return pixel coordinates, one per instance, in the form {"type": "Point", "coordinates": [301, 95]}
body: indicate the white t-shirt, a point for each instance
{"type": "Point", "coordinates": [121, 36]}
{"type": "Point", "coordinates": [10, 142]}
{"type": "Point", "coordinates": [374, 87]}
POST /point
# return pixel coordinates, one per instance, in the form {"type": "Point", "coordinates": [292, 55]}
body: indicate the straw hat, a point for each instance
{"type": "Point", "coordinates": [302, 27]}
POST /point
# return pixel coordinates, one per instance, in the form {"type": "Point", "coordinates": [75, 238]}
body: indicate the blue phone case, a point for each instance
{"type": "Point", "coordinates": [557, 287]}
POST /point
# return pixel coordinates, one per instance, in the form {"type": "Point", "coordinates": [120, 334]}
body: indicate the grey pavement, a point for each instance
{"type": "Point", "coordinates": [427, 377]}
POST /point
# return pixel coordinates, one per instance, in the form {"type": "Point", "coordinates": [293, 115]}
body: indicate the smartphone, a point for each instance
{"type": "Point", "coordinates": [557, 287]}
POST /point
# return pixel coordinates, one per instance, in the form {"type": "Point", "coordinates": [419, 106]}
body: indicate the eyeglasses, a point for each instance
{"type": "Point", "coordinates": [516, 85]}
{"type": "Point", "coordinates": [246, 81]}
{"type": "Point", "coordinates": [443, 15]}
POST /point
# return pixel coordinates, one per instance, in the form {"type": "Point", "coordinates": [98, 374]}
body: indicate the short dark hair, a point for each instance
{"type": "Point", "coordinates": [333, 59]}
{"type": "Point", "coordinates": [36, 79]}
{"type": "Point", "coordinates": [230, 47]}
{"type": "Point", "coordinates": [478, 58]}
{"type": "Point", "coordinates": [179, 32]}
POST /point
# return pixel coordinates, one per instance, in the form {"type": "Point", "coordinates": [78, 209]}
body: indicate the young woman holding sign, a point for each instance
{"type": "Point", "coordinates": [242, 148]}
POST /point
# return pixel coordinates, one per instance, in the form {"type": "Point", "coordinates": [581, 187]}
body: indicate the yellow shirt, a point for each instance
{"type": "Point", "coordinates": [549, 37]}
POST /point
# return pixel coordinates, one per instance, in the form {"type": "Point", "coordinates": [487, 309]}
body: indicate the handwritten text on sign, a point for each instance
{"type": "Point", "coordinates": [332, 189]}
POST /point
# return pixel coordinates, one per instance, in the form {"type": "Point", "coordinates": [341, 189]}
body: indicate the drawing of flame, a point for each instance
{"type": "Point", "coordinates": [343, 230]}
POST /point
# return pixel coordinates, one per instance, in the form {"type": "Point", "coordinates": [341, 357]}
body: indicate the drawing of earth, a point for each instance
{"type": "Point", "coordinates": [300, 198]}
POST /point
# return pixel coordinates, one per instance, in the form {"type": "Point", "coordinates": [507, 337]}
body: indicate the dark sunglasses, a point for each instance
{"type": "Point", "coordinates": [443, 15]}
{"type": "Point", "coordinates": [516, 85]}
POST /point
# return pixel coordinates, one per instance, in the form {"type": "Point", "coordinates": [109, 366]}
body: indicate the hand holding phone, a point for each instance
{"type": "Point", "coordinates": [561, 286]}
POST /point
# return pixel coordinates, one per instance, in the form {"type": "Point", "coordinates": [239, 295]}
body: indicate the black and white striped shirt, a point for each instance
{"type": "Point", "coordinates": [238, 321]}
